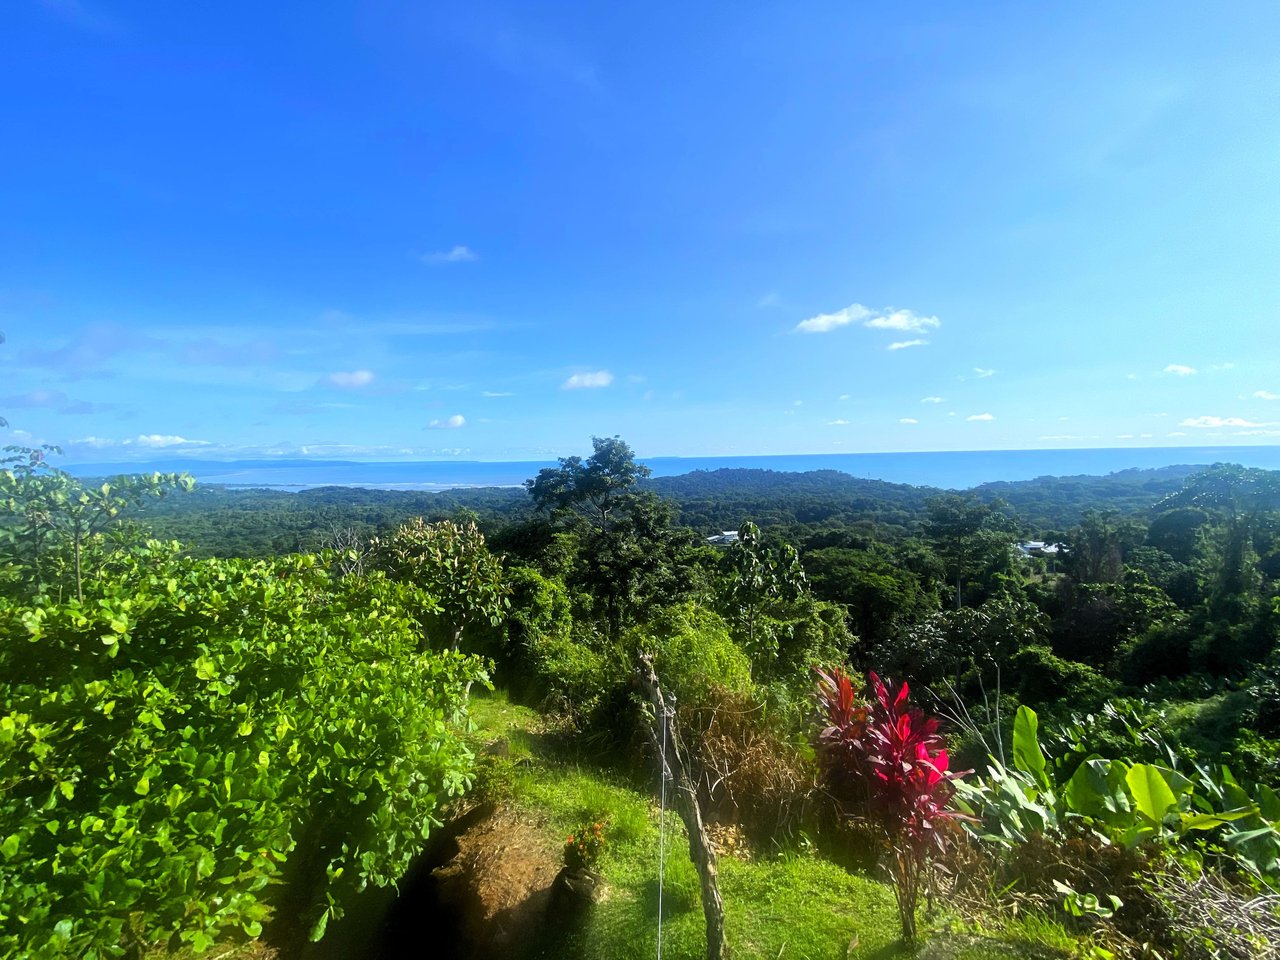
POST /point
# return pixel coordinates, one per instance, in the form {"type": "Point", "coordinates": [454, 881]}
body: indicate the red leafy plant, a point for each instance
{"type": "Point", "coordinates": [886, 762]}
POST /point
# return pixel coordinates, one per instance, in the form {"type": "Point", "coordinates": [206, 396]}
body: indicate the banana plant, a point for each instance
{"type": "Point", "coordinates": [1125, 802]}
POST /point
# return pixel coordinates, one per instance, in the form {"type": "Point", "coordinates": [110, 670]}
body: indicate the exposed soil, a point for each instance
{"type": "Point", "coordinates": [480, 898]}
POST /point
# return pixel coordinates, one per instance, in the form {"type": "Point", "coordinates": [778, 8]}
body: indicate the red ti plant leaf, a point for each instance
{"type": "Point", "coordinates": [886, 762]}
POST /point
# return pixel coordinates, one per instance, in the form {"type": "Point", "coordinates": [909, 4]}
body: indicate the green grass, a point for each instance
{"type": "Point", "coordinates": [796, 905]}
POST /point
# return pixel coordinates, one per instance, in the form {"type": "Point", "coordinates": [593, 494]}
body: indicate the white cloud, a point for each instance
{"type": "Point", "coordinates": [903, 344]}
{"type": "Point", "coordinates": [496, 393]}
{"type": "Point", "coordinates": [826, 322]}
{"type": "Point", "coordinates": [835, 423]}
{"type": "Point", "coordinates": [908, 420]}
{"type": "Point", "coordinates": [97, 443]}
{"type": "Point", "coordinates": [932, 400]}
{"type": "Point", "coordinates": [1266, 395]}
{"type": "Point", "coordinates": [1214, 422]}
{"type": "Point", "coordinates": [449, 423]}
{"type": "Point", "coordinates": [797, 403]}
{"type": "Point", "coordinates": [1223, 366]}
{"type": "Point", "coordinates": [904, 321]}
{"type": "Point", "coordinates": [843, 396]}
{"type": "Point", "coordinates": [579, 381]}
{"type": "Point", "coordinates": [980, 416]}
{"type": "Point", "coordinates": [982, 373]}
{"type": "Point", "coordinates": [351, 379]}
{"type": "Point", "coordinates": [1180, 369]}
{"type": "Point", "coordinates": [456, 254]}
{"type": "Point", "coordinates": [160, 440]}
{"type": "Point", "coordinates": [1061, 436]}
{"type": "Point", "coordinates": [1257, 433]}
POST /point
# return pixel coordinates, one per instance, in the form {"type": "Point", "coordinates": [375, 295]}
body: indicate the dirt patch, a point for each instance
{"type": "Point", "coordinates": [495, 889]}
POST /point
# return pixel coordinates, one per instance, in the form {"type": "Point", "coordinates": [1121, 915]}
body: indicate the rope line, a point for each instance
{"type": "Point", "coordinates": [662, 825]}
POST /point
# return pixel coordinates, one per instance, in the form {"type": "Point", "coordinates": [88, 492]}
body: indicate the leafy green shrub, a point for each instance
{"type": "Point", "coordinates": [1163, 650]}
{"type": "Point", "coordinates": [693, 652]}
{"type": "Point", "coordinates": [1044, 678]}
{"type": "Point", "coordinates": [198, 732]}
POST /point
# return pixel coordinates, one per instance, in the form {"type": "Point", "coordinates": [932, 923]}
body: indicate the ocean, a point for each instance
{"type": "Point", "coordinates": [951, 469]}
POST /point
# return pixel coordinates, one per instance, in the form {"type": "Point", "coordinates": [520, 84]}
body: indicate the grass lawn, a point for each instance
{"type": "Point", "coordinates": [792, 905]}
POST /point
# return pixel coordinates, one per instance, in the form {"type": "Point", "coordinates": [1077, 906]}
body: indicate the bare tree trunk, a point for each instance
{"type": "Point", "coordinates": [676, 765]}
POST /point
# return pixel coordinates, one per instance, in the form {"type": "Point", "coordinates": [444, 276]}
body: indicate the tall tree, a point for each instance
{"type": "Point", "coordinates": [971, 537]}
{"type": "Point", "coordinates": [594, 487]}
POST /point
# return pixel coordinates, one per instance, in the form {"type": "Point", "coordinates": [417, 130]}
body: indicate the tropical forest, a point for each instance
{"type": "Point", "coordinates": [733, 713]}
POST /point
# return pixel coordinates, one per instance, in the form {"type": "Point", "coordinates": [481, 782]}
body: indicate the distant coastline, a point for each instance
{"type": "Point", "coordinates": [948, 469]}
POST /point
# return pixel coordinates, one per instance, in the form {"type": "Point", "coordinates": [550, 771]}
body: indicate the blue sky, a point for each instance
{"type": "Point", "coordinates": [481, 230]}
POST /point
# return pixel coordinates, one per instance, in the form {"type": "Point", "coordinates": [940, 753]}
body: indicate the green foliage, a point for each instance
{"type": "Point", "coordinates": [196, 733]}
{"type": "Point", "coordinates": [875, 586]}
{"type": "Point", "coordinates": [952, 643]}
{"type": "Point", "coordinates": [1040, 676]}
{"type": "Point", "coordinates": [974, 540]}
{"type": "Point", "coordinates": [451, 563]}
{"type": "Point", "coordinates": [585, 845]}
{"type": "Point", "coordinates": [592, 486]}
{"type": "Point", "coordinates": [46, 513]}
{"type": "Point", "coordinates": [693, 652]}
{"type": "Point", "coordinates": [759, 575]}
{"type": "Point", "coordinates": [1128, 803]}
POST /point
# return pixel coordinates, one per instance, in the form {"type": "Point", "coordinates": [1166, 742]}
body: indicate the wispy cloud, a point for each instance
{"type": "Point", "coordinates": [836, 423]}
{"type": "Point", "coordinates": [88, 351]}
{"type": "Point", "coordinates": [932, 400]}
{"type": "Point", "coordinates": [826, 322]}
{"type": "Point", "coordinates": [908, 420]}
{"type": "Point", "coordinates": [54, 400]}
{"type": "Point", "coordinates": [207, 350]}
{"type": "Point", "coordinates": [1061, 436]}
{"type": "Point", "coordinates": [448, 423]}
{"type": "Point", "coordinates": [496, 393]}
{"type": "Point", "coordinates": [1180, 370]}
{"type": "Point", "coordinates": [904, 321]}
{"type": "Point", "coordinates": [982, 373]}
{"type": "Point", "coordinates": [980, 416]}
{"type": "Point", "coordinates": [1217, 422]}
{"type": "Point", "coordinates": [350, 379]}
{"type": "Point", "coordinates": [164, 440]}
{"type": "Point", "coordinates": [1266, 395]}
{"type": "Point", "coordinates": [580, 381]}
{"type": "Point", "coordinates": [904, 344]}
{"type": "Point", "coordinates": [1227, 365]}
{"type": "Point", "coordinates": [458, 253]}
{"type": "Point", "coordinates": [770, 299]}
